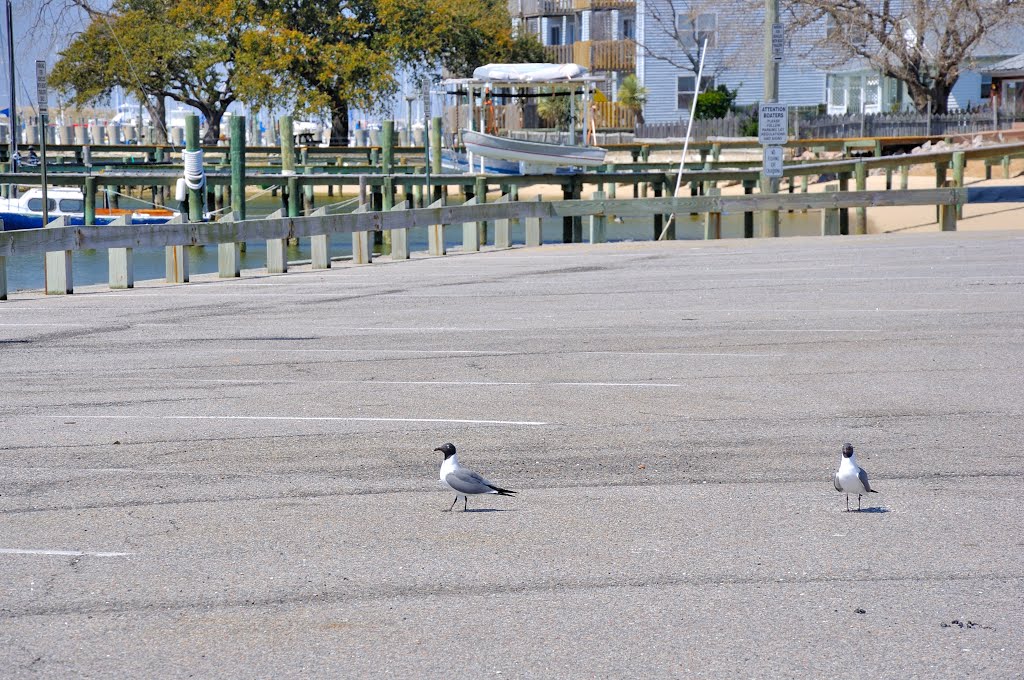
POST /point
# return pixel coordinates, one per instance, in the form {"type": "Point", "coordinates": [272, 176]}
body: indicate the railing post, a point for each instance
{"type": "Point", "coordinates": [947, 216]}
{"type": "Point", "coordinates": [533, 236]}
{"type": "Point", "coordinates": [89, 192]}
{"type": "Point", "coordinates": [659, 218]}
{"type": "Point", "coordinates": [830, 216]}
{"type": "Point", "coordinates": [470, 232]}
{"type": "Point", "coordinates": [480, 192]}
{"type": "Point", "coordinates": [959, 160]}
{"type": "Point", "coordinates": [502, 235]}
{"type": "Point", "coordinates": [3, 273]}
{"type": "Point", "coordinates": [57, 266]}
{"type": "Point", "coordinates": [229, 255]}
{"type": "Point", "coordinates": [940, 181]}
{"type": "Point", "coordinates": [277, 256]}
{"type": "Point", "coordinates": [713, 219]}
{"type": "Point", "coordinates": [748, 216]}
{"type": "Point", "coordinates": [861, 223]}
{"type": "Point", "coordinates": [435, 232]}
{"type": "Point", "coordinates": [435, 154]}
{"type": "Point", "coordinates": [598, 221]}
{"type": "Point", "coordinates": [287, 145]}
{"type": "Point", "coordinates": [362, 241]}
{"type": "Point", "coordinates": [121, 261]}
{"type": "Point", "coordinates": [176, 260]}
{"type": "Point", "coordinates": [844, 213]}
{"type": "Point", "coordinates": [399, 237]}
{"type": "Point", "coordinates": [320, 246]}
{"type": "Point", "coordinates": [904, 177]}
{"type": "Point", "coordinates": [196, 197]}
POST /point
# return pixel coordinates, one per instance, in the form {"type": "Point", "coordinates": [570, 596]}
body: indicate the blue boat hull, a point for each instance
{"type": "Point", "coordinates": [15, 221]}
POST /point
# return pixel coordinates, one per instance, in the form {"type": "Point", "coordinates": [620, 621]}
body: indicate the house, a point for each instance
{"type": "Point", "coordinates": [1006, 83]}
{"type": "Point", "coordinates": [660, 41]}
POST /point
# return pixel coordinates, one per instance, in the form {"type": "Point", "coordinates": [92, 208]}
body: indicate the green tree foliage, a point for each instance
{"type": "Point", "coordinates": [633, 96]}
{"type": "Point", "coordinates": [715, 103]}
{"type": "Point", "coordinates": [187, 50]}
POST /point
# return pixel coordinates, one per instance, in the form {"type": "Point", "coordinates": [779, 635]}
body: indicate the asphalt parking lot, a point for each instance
{"type": "Point", "coordinates": [237, 478]}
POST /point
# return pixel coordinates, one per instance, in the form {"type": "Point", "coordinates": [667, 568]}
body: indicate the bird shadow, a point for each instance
{"type": "Point", "coordinates": [877, 510]}
{"type": "Point", "coordinates": [460, 512]}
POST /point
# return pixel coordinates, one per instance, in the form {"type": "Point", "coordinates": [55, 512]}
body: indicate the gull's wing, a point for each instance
{"type": "Point", "coordinates": [863, 477]}
{"type": "Point", "coordinates": [835, 482]}
{"type": "Point", "coordinates": [466, 481]}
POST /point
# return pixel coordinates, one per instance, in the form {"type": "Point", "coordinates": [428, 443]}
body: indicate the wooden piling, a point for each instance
{"type": "Point", "coordinates": [284, 124]}
{"type": "Point", "coordinates": [229, 255]}
{"type": "Point", "coordinates": [470, 232]}
{"type": "Point", "coordinates": [959, 160]}
{"type": "Point", "coordinates": [844, 213]}
{"type": "Point", "coordinates": [320, 246]}
{"type": "Point", "coordinates": [713, 220]}
{"type": "Point", "coordinates": [830, 216]}
{"type": "Point", "coordinates": [748, 217]}
{"type": "Point", "coordinates": [860, 226]}
{"type": "Point", "coordinates": [277, 256]}
{"type": "Point", "coordinates": [3, 277]}
{"type": "Point", "coordinates": [57, 266]}
{"type": "Point", "coordinates": [598, 232]}
{"type": "Point", "coordinates": [176, 260]}
{"type": "Point", "coordinates": [435, 233]}
{"type": "Point", "coordinates": [480, 192]}
{"type": "Point", "coordinates": [121, 261]}
{"type": "Point", "coordinates": [89, 194]}
{"type": "Point", "coordinates": [533, 228]}
{"type": "Point", "coordinates": [196, 200]}
{"type": "Point", "coordinates": [237, 151]}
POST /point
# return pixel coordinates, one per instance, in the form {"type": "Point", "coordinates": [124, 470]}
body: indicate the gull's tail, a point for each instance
{"type": "Point", "coordinates": [503, 492]}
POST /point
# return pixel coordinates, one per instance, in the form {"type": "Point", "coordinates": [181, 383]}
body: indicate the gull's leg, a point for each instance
{"type": "Point", "coordinates": [847, 502]}
{"type": "Point", "coordinates": [465, 503]}
{"type": "Point", "coordinates": [452, 505]}
{"type": "Point", "coordinates": [858, 502]}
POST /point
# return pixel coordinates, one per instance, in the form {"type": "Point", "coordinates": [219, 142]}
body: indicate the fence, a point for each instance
{"type": "Point", "coordinates": [702, 128]}
{"type": "Point", "coordinates": [897, 125]}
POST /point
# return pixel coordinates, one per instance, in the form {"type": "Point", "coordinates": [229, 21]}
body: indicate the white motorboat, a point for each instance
{"type": "Point", "coordinates": [26, 211]}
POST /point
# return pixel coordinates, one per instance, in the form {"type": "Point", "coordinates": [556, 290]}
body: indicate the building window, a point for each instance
{"type": "Point", "coordinates": [554, 35]}
{"type": "Point", "coordinates": [533, 26]}
{"type": "Point", "coordinates": [986, 87]}
{"type": "Point", "coordinates": [628, 29]}
{"type": "Point", "coordinates": [685, 90]}
{"type": "Point", "coordinates": [693, 30]}
{"type": "Point", "coordinates": [856, 35]}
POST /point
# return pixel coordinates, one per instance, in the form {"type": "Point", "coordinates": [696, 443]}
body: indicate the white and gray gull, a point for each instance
{"type": "Point", "coordinates": [463, 482]}
{"type": "Point", "coordinates": [851, 478]}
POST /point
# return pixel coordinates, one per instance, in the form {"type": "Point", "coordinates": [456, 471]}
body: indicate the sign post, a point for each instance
{"type": "Point", "coordinates": [426, 139]}
{"type": "Point", "coordinates": [44, 110]}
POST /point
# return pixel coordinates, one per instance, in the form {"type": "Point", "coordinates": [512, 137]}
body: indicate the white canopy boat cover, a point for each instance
{"type": "Point", "coordinates": [526, 74]}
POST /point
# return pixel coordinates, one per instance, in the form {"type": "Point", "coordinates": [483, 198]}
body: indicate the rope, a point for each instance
{"type": "Point", "coordinates": [195, 176]}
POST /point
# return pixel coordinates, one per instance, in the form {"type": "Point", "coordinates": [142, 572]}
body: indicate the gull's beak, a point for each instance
{"type": "Point", "coordinates": [438, 449]}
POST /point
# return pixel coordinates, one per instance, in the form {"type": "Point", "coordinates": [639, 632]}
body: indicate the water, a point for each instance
{"type": "Point", "coordinates": [91, 266]}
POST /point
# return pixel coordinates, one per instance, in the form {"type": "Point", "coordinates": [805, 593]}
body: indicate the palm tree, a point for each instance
{"type": "Point", "coordinates": [633, 96]}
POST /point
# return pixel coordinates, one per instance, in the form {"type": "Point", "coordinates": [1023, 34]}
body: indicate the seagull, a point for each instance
{"type": "Point", "coordinates": [462, 481]}
{"type": "Point", "coordinates": [851, 478]}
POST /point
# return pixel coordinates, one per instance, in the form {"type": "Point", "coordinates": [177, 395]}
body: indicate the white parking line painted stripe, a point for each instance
{"type": "Point", "coordinates": [62, 553]}
{"type": "Point", "coordinates": [469, 383]}
{"type": "Point", "coordinates": [356, 419]}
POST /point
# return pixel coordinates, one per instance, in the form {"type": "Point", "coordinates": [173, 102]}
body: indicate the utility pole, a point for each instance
{"type": "Point", "coordinates": [772, 57]}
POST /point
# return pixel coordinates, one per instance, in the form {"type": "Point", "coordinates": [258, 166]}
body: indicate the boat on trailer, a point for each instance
{"type": "Point", "coordinates": [26, 211]}
{"type": "Point", "coordinates": [521, 80]}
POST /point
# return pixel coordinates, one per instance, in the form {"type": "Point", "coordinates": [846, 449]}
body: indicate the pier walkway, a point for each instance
{"type": "Point", "coordinates": [237, 478]}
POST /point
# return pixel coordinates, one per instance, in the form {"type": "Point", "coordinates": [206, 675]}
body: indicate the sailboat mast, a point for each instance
{"type": "Point", "coordinates": [12, 115]}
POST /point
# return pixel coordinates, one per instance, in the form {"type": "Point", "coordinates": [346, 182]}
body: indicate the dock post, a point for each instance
{"type": "Point", "coordinates": [611, 185]}
{"type": "Point", "coordinates": [196, 197]}
{"type": "Point", "coordinates": [598, 221]}
{"type": "Point", "coordinates": [860, 226]}
{"type": "Point", "coordinates": [480, 192]}
{"type": "Point", "coordinates": [959, 159]}
{"type": "Point", "coordinates": [89, 191]}
{"type": "Point", "coordinates": [286, 128]}
{"type": "Point", "coordinates": [277, 256]}
{"type": "Point", "coordinates": [830, 216]}
{"type": "Point", "coordinates": [513, 222]}
{"type": "Point", "coordinates": [435, 153]}
{"type": "Point", "coordinates": [57, 266]}
{"type": "Point", "coordinates": [659, 218]}
{"type": "Point", "coordinates": [3, 276]}
{"type": "Point", "coordinates": [176, 260]}
{"type": "Point", "coordinates": [308, 198]}
{"type": "Point", "coordinates": [237, 150]}
{"type": "Point", "coordinates": [293, 206]}
{"type": "Point", "coordinates": [1006, 167]}
{"type": "Point", "coordinates": [748, 216]}
{"type": "Point", "coordinates": [947, 216]}
{"type": "Point", "coordinates": [844, 213]}
{"type": "Point", "coordinates": [534, 236]}
{"type": "Point", "coordinates": [121, 261]}
{"type": "Point", "coordinates": [713, 220]}
{"type": "Point", "coordinates": [940, 181]}
{"type": "Point", "coordinates": [387, 146]}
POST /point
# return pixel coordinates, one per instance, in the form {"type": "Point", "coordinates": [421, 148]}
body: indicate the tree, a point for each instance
{"type": "Point", "coordinates": [633, 96]}
{"type": "Point", "coordinates": [688, 23]}
{"type": "Point", "coordinates": [925, 44]}
{"type": "Point", "coordinates": [337, 55]}
{"type": "Point", "coordinates": [188, 50]}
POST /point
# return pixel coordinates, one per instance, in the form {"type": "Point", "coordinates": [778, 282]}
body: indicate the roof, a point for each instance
{"type": "Point", "coordinates": [1013, 66]}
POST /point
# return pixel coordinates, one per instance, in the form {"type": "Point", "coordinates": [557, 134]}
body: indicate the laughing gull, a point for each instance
{"type": "Point", "coordinates": [462, 481]}
{"type": "Point", "coordinates": [851, 478]}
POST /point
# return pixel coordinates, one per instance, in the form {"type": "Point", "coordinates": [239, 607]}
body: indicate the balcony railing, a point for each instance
{"type": "Point", "coordinates": [596, 55]}
{"type": "Point", "coordinates": [622, 5]}
{"type": "Point", "coordinates": [546, 8]}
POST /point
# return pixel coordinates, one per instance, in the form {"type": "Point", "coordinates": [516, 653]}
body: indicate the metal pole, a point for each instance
{"type": "Point", "coordinates": [770, 218]}
{"type": "Point", "coordinates": [12, 115]}
{"type": "Point", "coordinates": [42, 167]}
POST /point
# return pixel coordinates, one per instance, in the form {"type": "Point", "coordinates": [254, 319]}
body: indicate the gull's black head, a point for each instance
{"type": "Point", "coordinates": [847, 450]}
{"type": "Point", "coordinates": [447, 449]}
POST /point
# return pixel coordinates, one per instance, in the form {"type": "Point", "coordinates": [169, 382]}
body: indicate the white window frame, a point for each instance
{"type": "Point", "coordinates": [708, 83]}
{"type": "Point", "coordinates": [693, 28]}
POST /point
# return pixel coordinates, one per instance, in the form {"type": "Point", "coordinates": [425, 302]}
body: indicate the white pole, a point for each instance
{"type": "Point", "coordinates": [689, 128]}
